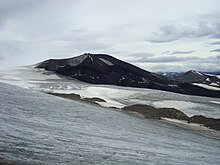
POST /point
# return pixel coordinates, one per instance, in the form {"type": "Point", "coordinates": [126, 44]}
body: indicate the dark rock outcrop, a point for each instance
{"type": "Point", "coordinates": [151, 112]}
{"type": "Point", "coordinates": [208, 122]}
{"type": "Point", "coordinates": [105, 69]}
{"type": "Point", "coordinates": [71, 96]}
{"type": "Point", "coordinates": [74, 96]}
{"type": "Point", "coordinates": [156, 113]}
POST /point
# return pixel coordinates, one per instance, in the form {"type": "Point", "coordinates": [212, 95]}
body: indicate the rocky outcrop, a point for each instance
{"type": "Point", "coordinates": [151, 112]}
{"type": "Point", "coordinates": [156, 113]}
{"type": "Point", "coordinates": [208, 122]}
{"type": "Point", "coordinates": [71, 96]}
{"type": "Point", "coordinates": [74, 96]}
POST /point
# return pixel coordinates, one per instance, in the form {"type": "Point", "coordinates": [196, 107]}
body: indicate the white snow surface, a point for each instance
{"type": "Point", "coordinates": [215, 84]}
{"type": "Point", "coordinates": [184, 106]}
{"type": "Point", "coordinates": [207, 86]}
{"type": "Point", "coordinates": [216, 102]}
{"type": "Point", "coordinates": [186, 124]}
{"type": "Point", "coordinates": [108, 94]}
{"type": "Point", "coordinates": [207, 79]}
{"type": "Point", "coordinates": [27, 77]}
{"type": "Point", "coordinates": [42, 129]}
{"type": "Point", "coordinates": [45, 81]}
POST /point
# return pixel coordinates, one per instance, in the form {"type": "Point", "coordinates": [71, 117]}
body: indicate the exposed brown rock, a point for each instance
{"type": "Point", "coordinates": [156, 113]}
{"type": "Point", "coordinates": [72, 96]}
{"type": "Point", "coordinates": [208, 122]}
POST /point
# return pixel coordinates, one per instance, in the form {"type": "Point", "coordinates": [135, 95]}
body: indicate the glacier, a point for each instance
{"type": "Point", "coordinates": [42, 129]}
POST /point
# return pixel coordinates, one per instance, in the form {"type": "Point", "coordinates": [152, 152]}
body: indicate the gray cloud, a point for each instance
{"type": "Point", "coordinates": [178, 52]}
{"type": "Point", "coordinates": [215, 43]}
{"type": "Point", "coordinates": [1, 57]}
{"type": "Point", "coordinates": [170, 59]}
{"type": "Point", "coordinates": [33, 30]}
{"type": "Point", "coordinates": [160, 59]}
{"type": "Point", "coordinates": [166, 52]}
{"type": "Point", "coordinates": [175, 59]}
{"type": "Point", "coordinates": [163, 59]}
{"type": "Point", "coordinates": [13, 8]}
{"type": "Point", "coordinates": [71, 43]}
{"type": "Point", "coordinates": [10, 48]}
{"type": "Point", "coordinates": [215, 50]}
{"type": "Point", "coordinates": [165, 34]}
{"type": "Point", "coordinates": [197, 29]}
{"type": "Point", "coordinates": [80, 35]}
{"type": "Point", "coordinates": [181, 64]}
{"type": "Point", "coordinates": [182, 67]}
{"type": "Point", "coordinates": [138, 57]}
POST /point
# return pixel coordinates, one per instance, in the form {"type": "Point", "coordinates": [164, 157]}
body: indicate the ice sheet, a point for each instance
{"type": "Point", "coordinates": [41, 80]}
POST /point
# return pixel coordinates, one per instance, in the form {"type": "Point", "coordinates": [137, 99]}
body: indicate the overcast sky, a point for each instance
{"type": "Point", "coordinates": [157, 35]}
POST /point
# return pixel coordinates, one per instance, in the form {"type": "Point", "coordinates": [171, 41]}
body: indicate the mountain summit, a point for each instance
{"type": "Point", "coordinates": [193, 76]}
{"type": "Point", "coordinates": [105, 69]}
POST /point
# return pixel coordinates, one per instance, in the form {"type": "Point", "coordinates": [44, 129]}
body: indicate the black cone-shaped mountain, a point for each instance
{"type": "Point", "coordinates": [105, 69]}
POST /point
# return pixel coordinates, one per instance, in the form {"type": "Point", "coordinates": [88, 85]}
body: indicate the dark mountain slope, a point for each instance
{"type": "Point", "coordinates": [105, 69]}
{"type": "Point", "coordinates": [196, 77]}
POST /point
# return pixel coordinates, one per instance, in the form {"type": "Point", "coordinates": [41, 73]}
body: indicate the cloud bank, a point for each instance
{"type": "Point", "coordinates": [150, 32]}
{"type": "Point", "coordinates": [168, 33]}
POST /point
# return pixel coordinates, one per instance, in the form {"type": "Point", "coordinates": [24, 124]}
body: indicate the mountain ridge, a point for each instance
{"type": "Point", "coordinates": [105, 69]}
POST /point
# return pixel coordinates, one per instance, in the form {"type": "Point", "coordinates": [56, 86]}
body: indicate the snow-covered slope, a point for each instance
{"type": "Point", "coordinates": [114, 96]}
{"type": "Point", "coordinates": [41, 129]}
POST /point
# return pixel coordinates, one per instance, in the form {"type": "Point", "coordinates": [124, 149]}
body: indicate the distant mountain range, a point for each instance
{"type": "Point", "coordinates": [105, 69]}
{"type": "Point", "coordinates": [192, 76]}
{"type": "Point", "coordinates": [177, 74]}
{"type": "Point", "coordinates": [197, 77]}
{"type": "Point", "coordinates": [170, 74]}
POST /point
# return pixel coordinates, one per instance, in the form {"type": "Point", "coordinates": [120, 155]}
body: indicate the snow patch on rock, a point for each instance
{"type": "Point", "coordinates": [207, 86]}
{"type": "Point", "coordinates": [216, 102]}
{"type": "Point", "coordinates": [77, 61]}
{"type": "Point", "coordinates": [106, 61]}
{"type": "Point", "coordinates": [195, 72]}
